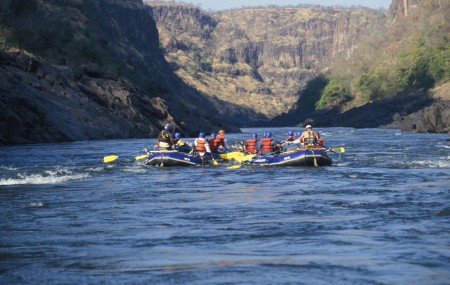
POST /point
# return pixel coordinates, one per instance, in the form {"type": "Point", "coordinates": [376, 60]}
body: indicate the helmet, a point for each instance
{"type": "Point", "coordinates": [213, 135]}
{"type": "Point", "coordinates": [290, 133]}
{"type": "Point", "coordinates": [254, 135]}
{"type": "Point", "coordinates": [269, 134]}
{"type": "Point", "coordinates": [168, 127]}
{"type": "Point", "coordinates": [308, 127]}
{"type": "Point", "coordinates": [221, 132]}
{"type": "Point", "coordinates": [177, 135]}
{"type": "Point", "coordinates": [201, 135]}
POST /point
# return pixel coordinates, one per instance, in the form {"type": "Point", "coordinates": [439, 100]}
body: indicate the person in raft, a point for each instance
{"type": "Point", "coordinates": [221, 142]}
{"type": "Point", "coordinates": [266, 144]}
{"type": "Point", "coordinates": [164, 140]}
{"type": "Point", "coordinates": [179, 144]}
{"type": "Point", "coordinates": [309, 137]}
{"type": "Point", "coordinates": [251, 145]}
{"type": "Point", "coordinates": [213, 143]}
{"type": "Point", "coordinates": [201, 145]}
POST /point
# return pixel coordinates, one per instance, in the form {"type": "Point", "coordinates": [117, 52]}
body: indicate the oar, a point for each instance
{"type": "Point", "coordinates": [337, 149]}
{"type": "Point", "coordinates": [139, 157]}
{"type": "Point", "coordinates": [110, 158]}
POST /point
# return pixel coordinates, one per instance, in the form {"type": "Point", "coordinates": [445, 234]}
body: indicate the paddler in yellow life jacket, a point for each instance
{"type": "Point", "coordinates": [179, 144]}
{"type": "Point", "coordinates": [177, 140]}
{"type": "Point", "coordinates": [309, 137]}
{"type": "Point", "coordinates": [164, 140]}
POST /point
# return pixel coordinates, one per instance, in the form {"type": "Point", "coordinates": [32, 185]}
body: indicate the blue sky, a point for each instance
{"type": "Point", "coordinates": [226, 4]}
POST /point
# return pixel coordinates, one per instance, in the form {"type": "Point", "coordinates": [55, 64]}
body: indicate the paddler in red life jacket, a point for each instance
{"type": "Point", "coordinates": [266, 144]}
{"type": "Point", "coordinates": [164, 140]}
{"type": "Point", "coordinates": [221, 142]}
{"type": "Point", "coordinates": [213, 144]}
{"type": "Point", "coordinates": [308, 137]}
{"type": "Point", "coordinates": [251, 145]}
{"type": "Point", "coordinates": [201, 144]}
{"type": "Point", "coordinates": [319, 142]}
{"type": "Point", "coordinates": [290, 137]}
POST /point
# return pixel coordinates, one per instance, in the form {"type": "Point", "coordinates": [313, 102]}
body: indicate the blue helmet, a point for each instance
{"type": "Point", "coordinates": [290, 133]}
{"type": "Point", "coordinates": [168, 127]}
{"type": "Point", "coordinates": [201, 135]}
{"type": "Point", "coordinates": [177, 135]}
{"type": "Point", "coordinates": [213, 135]}
{"type": "Point", "coordinates": [269, 134]}
{"type": "Point", "coordinates": [254, 135]}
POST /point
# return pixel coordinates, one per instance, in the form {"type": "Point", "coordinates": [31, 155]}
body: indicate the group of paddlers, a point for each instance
{"type": "Point", "coordinates": [217, 143]}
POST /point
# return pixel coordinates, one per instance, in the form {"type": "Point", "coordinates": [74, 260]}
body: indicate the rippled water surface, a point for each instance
{"type": "Point", "coordinates": [379, 215]}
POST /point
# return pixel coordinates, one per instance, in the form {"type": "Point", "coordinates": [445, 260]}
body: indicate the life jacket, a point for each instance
{"type": "Point", "coordinates": [212, 145]}
{"type": "Point", "coordinates": [200, 145]}
{"type": "Point", "coordinates": [164, 136]}
{"type": "Point", "coordinates": [251, 145]}
{"type": "Point", "coordinates": [319, 144]}
{"type": "Point", "coordinates": [309, 140]}
{"type": "Point", "coordinates": [219, 141]}
{"type": "Point", "coordinates": [266, 145]}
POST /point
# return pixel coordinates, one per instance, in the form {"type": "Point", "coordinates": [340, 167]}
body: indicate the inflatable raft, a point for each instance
{"type": "Point", "coordinates": [174, 158]}
{"type": "Point", "coordinates": [298, 157]}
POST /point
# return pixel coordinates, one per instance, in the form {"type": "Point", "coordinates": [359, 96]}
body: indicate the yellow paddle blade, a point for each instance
{"type": "Point", "coordinates": [338, 149]}
{"type": "Point", "coordinates": [224, 156]}
{"type": "Point", "coordinates": [110, 158]}
{"type": "Point", "coordinates": [234, 166]}
{"type": "Point", "coordinates": [214, 162]}
{"type": "Point", "coordinates": [247, 157]}
{"type": "Point", "coordinates": [139, 157]}
{"type": "Point", "coordinates": [236, 155]}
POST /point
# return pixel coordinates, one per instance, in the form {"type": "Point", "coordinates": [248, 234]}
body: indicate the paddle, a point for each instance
{"type": "Point", "coordinates": [337, 149]}
{"type": "Point", "coordinates": [139, 157]}
{"type": "Point", "coordinates": [110, 158]}
{"type": "Point", "coordinates": [247, 159]}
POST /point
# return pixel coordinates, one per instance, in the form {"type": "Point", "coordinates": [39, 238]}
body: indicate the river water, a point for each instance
{"type": "Point", "coordinates": [379, 215]}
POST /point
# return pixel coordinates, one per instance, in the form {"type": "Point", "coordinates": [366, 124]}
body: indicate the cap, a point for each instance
{"type": "Point", "coordinates": [308, 127]}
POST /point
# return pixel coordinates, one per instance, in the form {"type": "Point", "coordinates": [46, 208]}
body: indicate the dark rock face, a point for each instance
{"type": "Point", "coordinates": [432, 119]}
{"type": "Point", "coordinates": [43, 103]}
{"type": "Point", "coordinates": [93, 70]}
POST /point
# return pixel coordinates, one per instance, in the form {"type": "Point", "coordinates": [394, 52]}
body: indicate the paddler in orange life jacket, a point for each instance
{"type": "Point", "coordinates": [266, 144]}
{"type": "Point", "coordinates": [221, 142]}
{"type": "Point", "coordinates": [201, 144]}
{"type": "Point", "coordinates": [165, 140]}
{"type": "Point", "coordinates": [308, 137]}
{"type": "Point", "coordinates": [251, 145]}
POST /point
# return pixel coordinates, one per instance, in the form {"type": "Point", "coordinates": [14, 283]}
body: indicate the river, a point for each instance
{"type": "Point", "coordinates": [379, 215]}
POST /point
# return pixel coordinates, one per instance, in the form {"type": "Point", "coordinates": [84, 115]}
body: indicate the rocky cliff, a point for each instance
{"type": "Point", "coordinates": [79, 70]}
{"type": "Point", "coordinates": [258, 57]}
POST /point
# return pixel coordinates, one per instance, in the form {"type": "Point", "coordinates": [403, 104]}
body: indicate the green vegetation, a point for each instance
{"type": "Point", "coordinates": [422, 64]}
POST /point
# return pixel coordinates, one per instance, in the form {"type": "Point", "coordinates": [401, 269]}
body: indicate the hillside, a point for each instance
{"type": "Point", "coordinates": [258, 57]}
{"type": "Point", "coordinates": [80, 70]}
{"type": "Point", "coordinates": [398, 78]}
